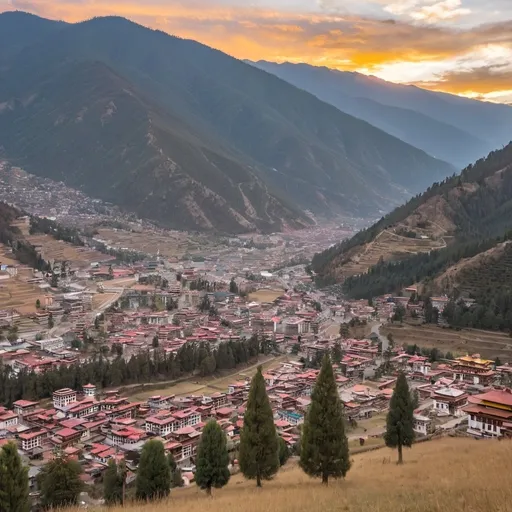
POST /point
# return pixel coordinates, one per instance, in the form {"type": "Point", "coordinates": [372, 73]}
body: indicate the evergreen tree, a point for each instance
{"type": "Point", "coordinates": [399, 423]}
{"type": "Point", "coordinates": [259, 447]}
{"type": "Point", "coordinates": [324, 447]}
{"type": "Point", "coordinates": [60, 483]}
{"type": "Point", "coordinates": [212, 458]}
{"type": "Point", "coordinates": [13, 481]}
{"type": "Point", "coordinates": [337, 353]}
{"type": "Point", "coordinates": [176, 478]}
{"type": "Point", "coordinates": [38, 304]}
{"type": "Point", "coordinates": [233, 287]}
{"type": "Point", "coordinates": [51, 323]}
{"type": "Point", "coordinates": [155, 341]}
{"type": "Point", "coordinates": [284, 452]}
{"type": "Point", "coordinates": [153, 475]}
{"type": "Point", "coordinates": [113, 482]}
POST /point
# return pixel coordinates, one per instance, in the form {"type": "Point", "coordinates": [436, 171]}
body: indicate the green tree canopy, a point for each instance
{"type": "Point", "coordinates": [324, 449]}
{"type": "Point", "coordinates": [153, 474]}
{"type": "Point", "coordinates": [258, 455]}
{"type": "Point", "coordinates": [60, 483]}
{"type": "Point", "coordinates": [284, 452]}
{"type": "Point", "coordinates": [113, 481]}
{"type": "Point", "coordinates": [400, 421]}
{"type": "Point", "coordinates": [212, 458]}
{"type": "Point", "coordinates": [13, 481]}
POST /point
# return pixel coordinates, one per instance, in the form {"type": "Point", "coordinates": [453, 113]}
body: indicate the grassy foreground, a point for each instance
{"type": "Point", "coordinates": [448, 475]}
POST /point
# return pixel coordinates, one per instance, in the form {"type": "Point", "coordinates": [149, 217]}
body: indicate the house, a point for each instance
{"type": "Point", "coordinates": [89, 390]}
{"type": "Point", "coordinates": [162, 426]}
{"type": "Point", "coordinates": [32, 440]}
{"type": "Point", "coordinates": [449, 401]}
{"type": "Point", "coordinates": [423, 425]}
{"type": "Point", "coordinates": [489, 413]}
{"type": "Point", "coordinates": [7, 418]}
{"type": "Point", "coordinates": [66, 437]}
{"type": "Point", "coordinates": [292, 417]}
{"type": "Point", "coordinates": [63, 397]}
{"type": "Point", "coordinates": [24, 407]}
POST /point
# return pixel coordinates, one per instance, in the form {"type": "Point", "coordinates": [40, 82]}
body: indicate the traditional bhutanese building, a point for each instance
{"type": "Point", "coordinates": [489, 414]}
{"type": "Point", "coordinates": [473, 370]}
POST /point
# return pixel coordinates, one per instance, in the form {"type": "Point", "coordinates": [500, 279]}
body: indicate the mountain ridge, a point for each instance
{"type": "Point", "coordinates": [300, 153]}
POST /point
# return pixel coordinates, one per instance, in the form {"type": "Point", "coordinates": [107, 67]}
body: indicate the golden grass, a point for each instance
{"type": "Point", "coordinates": [265, 295]}
{"type": "Point", "coordinates": [449, 475]}
{"type": "Point", "coordinates": [466, 341]}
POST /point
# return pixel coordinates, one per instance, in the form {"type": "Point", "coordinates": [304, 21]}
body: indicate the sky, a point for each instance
{"type": "Point", "coordinates": [458, 46]}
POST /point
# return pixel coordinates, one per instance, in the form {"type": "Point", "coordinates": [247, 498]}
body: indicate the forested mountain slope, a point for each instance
{"type": "Point", "coordinates": [458, 130]}
{"type": "Point", "coordinates": [468, 213]}
{"type": "Point", "coordinates": [189, 136]}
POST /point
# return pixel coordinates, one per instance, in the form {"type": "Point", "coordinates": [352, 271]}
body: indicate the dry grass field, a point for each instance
{"type": "Point", "coordinates": [466, 341]}
{"type": "Point", "coordinates": [265, 295]}
{"type": "Point", "coordinates": [168, 244]}
{"type": "Point", "coordinates": [58, 250]}
{"type": "Point", "coordinates": [17, 294]}
{"type": "Point", "coordinates": [448, 475]}
{"type": "Point", "coordinates": [199, 386]}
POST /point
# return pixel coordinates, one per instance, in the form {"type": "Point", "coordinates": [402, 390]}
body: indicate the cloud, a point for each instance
{"type": "Point", "coordinates": [439, 56]}
{"type": "Point", "coordinates": [445, 10]}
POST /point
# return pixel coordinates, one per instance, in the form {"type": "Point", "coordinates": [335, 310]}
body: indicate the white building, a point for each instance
{"type": "Point", "coordinates": [63, 397]}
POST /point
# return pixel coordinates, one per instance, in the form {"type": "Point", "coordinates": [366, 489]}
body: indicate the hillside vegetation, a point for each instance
{"type": "Point", "coordinates": [469, 213]}
{"type": "Point", "coordinates": [184, 134]}
{"type": "Point", "coordinates": [451, 474]}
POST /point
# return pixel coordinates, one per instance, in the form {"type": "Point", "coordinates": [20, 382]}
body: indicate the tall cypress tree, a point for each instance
{"type": "Point", "coordinates": [324, 446]}
{"type": "Point", "coordinates": [13, 481]}
{"type": "Point", "coordinates": [212, 458]}
{"type": "Point", "coordinates": [259, 445]}
{"type": "Point", "coordinates": [153, 474]}
{"type": "Point", "coordinates": [400, 421]}
{"type": "Point", "coordinates": [113, 481]}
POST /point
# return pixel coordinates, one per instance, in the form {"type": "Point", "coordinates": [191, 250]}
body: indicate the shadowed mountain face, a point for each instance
{"type": "Point", "coordinates": [449, 127]}
{"type": "Point", "coordinates": [187, 135]}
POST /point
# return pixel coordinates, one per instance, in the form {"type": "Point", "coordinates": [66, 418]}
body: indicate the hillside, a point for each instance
{"type": "Point", "coordinates": [189, 136]}
{"type": "Point", "coordinates": [465, 213]}
{"type": "Point", "coordinates": [451, 474]}
{"type": "Point", "coordinates": [452, 128]}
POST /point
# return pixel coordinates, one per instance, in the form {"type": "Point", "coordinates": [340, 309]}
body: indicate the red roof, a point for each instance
{"type": "Point", "coordinates": [66, 432]}
{"type": "Point", "coordinates": [478, 409]}
{"type": "Point", "coordinates": [497, 396]}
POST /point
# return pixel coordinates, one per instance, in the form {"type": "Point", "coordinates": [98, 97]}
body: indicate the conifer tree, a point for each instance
{"type": "Point", "coordinates": [60, 483]}
{"type": "Point", "coordinates": [284, 452]}
{"type": "Point", "coordinates": [400, 422]}
{"type": "Point", "coordinates": [176, 478]}
{"type": "Point", "coordinates": [13, 481]}
{"type": "Point", "coordinates": [153, 474]}
{"type": "Point", "coordinates": [212, 458]}
{"type": "Point", "coordinates": [324, 447]}
{"type": "Point", "coordinates": [259, 446]}
{"type": "Point", "coordinates": [113, 482]}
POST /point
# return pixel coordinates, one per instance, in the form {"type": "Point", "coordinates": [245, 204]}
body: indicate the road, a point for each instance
{"type": "Point", "coordinates": [376, 330]}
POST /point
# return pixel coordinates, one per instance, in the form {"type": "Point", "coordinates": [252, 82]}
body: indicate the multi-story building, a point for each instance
{"type": "Point", "coordinates": [63, 397]}
{"type": "Point", "coordinates": [32, 440]}
{"type": "Point", "coordinates": [473, 370]}
{"type": "Point", "coordinates": [489, 413]}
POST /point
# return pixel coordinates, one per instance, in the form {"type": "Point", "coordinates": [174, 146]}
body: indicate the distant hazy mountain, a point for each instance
{"type": "Point", "coordinates": [187, 135]}
{"type": "Point", "coordinates": [449, 127]}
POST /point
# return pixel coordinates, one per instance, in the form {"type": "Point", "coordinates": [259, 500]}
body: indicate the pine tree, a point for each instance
{"type": "Point", "coordinates": [113, 482]}
{"type": "Point", "coordinates": [212, 458]}
{"type": "Point", "coordinates": [60, 483]}
{"type": "Point", "coordinates": [153, 475]}
{"type": "Point", "coordinates": [399, 423]}
{"type": "Point", "coordinates": [259, 458]}
{"type": "Point", "coordinates": [284, 452]}
{"type": "Point", "coordinates": [324, 446]}
{"type": "Point", "coordinates": [13, 481]}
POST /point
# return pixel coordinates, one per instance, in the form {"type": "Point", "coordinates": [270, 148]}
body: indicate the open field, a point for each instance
{"type": "Point", "coordinates": [169, 244]}
{"type": "Point", "coordinates": [265, 295]}
{"type": "Point", "coordinates": [467, 341]}
{"type": "Point", "coordinates": [58, 250]}
{"type": "Point", "coordinates": [100, 299]}
{"type": "Point", "coordinates": [17, 294]}
{"type": "Point", "coordinates": [203, 385]}
{"type": "Point", "coordinates": [447, 475]}
{"type": "Point", "coordinates": [6, 257]}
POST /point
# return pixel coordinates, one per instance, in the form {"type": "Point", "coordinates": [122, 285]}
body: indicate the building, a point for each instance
{"type": "Point", "coordinates": [449, 401]}
{"type": "Point", "coordinates": [32, 440]}
{"type": "Point", "coordinates": [63, 397]}
{"type": "Point", "coordinates": [24, 407]}
{"type": "Point", "coordinates": [89, 390]}
{"type": "Point", "coordinates": [489, 413]}
{"type": "Point", "coordinates": [473, 370]}
{"type": "Point", "coordinates": [50, 344]}
{"type": "Point", "coordinates": [423, 425]}
{"type": "Point", "coordinates": [7, 418]}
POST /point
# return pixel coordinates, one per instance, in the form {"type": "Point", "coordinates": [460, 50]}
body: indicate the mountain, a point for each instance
{"type": "Point", "coordinates": [189, 136]}
{"type": "Point", "coordinates": [454, 236]}
{"type": "Point", "coordinates": [449, 127]}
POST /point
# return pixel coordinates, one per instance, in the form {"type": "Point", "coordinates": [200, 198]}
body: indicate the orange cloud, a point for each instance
{"type": "Point", "coordinates": [343, 42]}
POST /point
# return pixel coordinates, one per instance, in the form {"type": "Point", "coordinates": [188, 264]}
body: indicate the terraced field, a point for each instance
{"type": "Point", "coordinates": [387, 245]}
{"type": "Point", "coordinates": [16, 293]}
{"type": "Point", "coordinates": [488, 344]}
{"type": "Point", "coordinates": [58, 250]}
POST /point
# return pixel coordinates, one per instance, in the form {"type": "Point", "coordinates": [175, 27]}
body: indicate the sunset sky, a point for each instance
{"type": "Point", "coordinates": [459, 46]}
